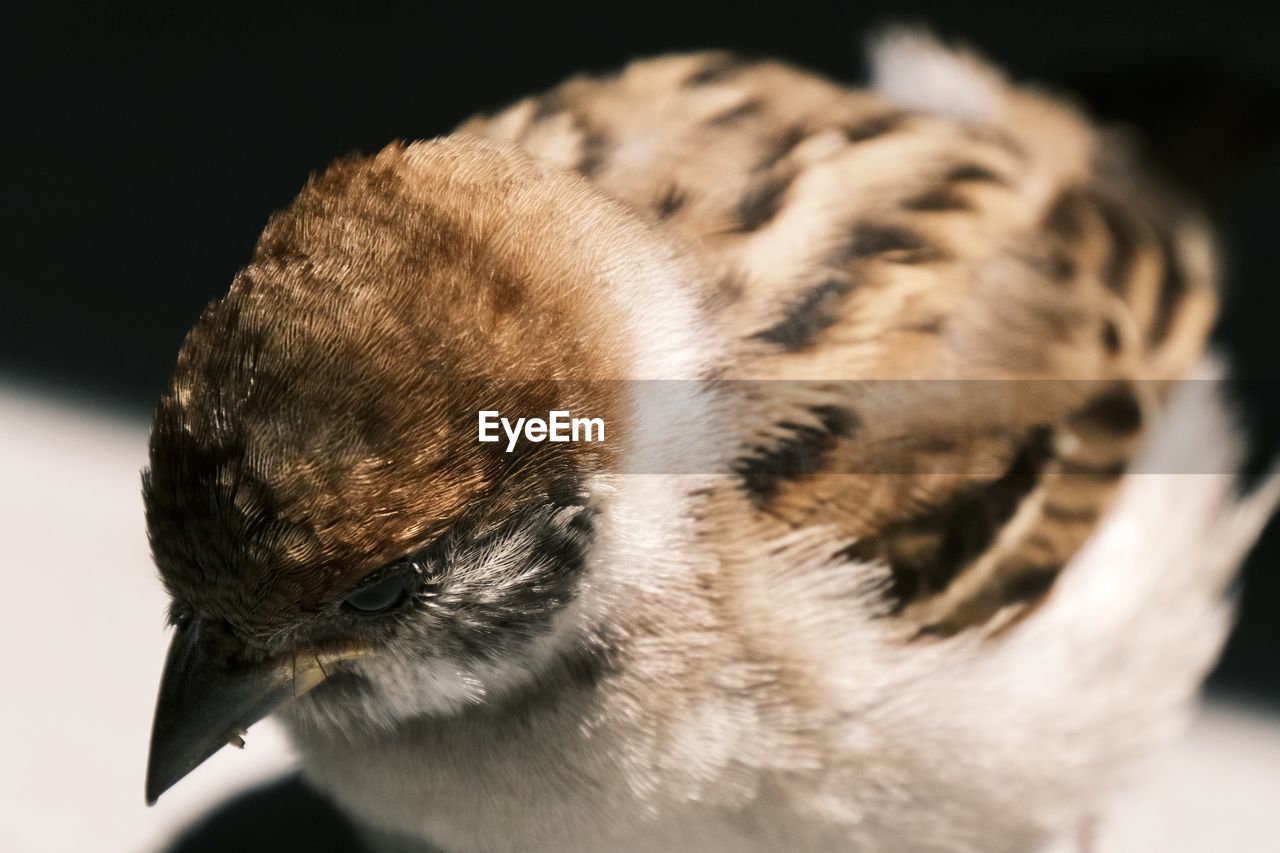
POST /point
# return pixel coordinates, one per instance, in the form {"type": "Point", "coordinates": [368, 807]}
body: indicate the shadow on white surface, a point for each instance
{"type": "Point", "coordinates": [82, 621]}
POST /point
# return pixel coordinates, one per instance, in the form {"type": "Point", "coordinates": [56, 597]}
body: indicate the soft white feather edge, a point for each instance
{"type": "Point", "coordinates": [912, 68]}
{"type": "Point", "coordinates": [1178, 527]}
{"type": "Point", "coordinates": [1108, 667]}
{"type": "Point", "coordinates": [918, 72]}
{"type": "Point", "coordinates": [1036, 727]}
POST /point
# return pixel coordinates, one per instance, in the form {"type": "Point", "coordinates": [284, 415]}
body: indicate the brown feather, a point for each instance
{"type": "Point", "coordinates": [874, 243]}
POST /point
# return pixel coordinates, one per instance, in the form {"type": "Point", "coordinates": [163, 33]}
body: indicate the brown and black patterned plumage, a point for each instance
{"type": "Point", "coordinates": [893, 543]}
{"type": "Point", "coordinates": [858, 240]}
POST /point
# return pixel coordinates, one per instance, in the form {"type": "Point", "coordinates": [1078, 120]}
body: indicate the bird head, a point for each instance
{"type": "Point", "coordinates": [320, 509]}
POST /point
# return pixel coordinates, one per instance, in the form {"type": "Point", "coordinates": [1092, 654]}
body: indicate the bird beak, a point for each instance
{"type": "Point", "coordinates": [208, 700]}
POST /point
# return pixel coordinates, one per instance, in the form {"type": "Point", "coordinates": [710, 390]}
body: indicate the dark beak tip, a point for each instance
{"type": "Point", "coordinates": [205, 702]}
{"type": "Point", "coordinates": [154, 789]}
{"type": "Point", "coordinates": [159, 778]}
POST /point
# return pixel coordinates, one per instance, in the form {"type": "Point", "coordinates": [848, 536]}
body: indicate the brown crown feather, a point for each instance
{"type": "Point", "coordinates": [321, 420]}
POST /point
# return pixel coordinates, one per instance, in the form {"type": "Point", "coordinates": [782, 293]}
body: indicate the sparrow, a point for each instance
{"type": "Point", "coordinates": [911, 520]}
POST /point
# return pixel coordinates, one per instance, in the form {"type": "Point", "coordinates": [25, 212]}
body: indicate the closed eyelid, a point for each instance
{"type": "Point", "coordinates": [380, 594]}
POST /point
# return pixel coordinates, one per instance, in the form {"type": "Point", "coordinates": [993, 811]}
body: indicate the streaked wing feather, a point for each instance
{"type": "Point", "coordinates": [949, 334]}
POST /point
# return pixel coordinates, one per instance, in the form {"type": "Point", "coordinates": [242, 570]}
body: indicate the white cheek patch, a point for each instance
{"type": "Point", "coordinates": [413, 687]}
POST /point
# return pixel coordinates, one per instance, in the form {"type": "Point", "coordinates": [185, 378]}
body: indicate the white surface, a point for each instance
{"type": "Point", "coordinates": [1216, 790]}
{"type": "Point", "coordinates": [82, 623]}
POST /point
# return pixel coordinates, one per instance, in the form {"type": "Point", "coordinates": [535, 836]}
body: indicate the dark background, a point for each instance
{"type": "Point", "coordinates": [144, 149]}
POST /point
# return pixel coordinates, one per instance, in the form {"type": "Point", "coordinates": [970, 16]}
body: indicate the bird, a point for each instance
{"type": "Point", "coordinates": [911, 519]}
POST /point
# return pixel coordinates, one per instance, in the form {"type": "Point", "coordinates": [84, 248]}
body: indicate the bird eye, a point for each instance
{"type": "Point", "coordinates": [381, 595]}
